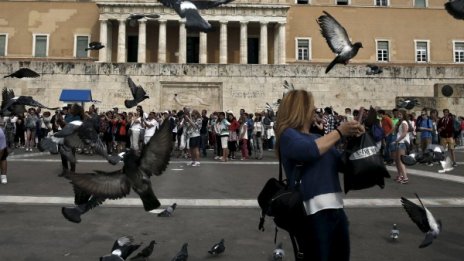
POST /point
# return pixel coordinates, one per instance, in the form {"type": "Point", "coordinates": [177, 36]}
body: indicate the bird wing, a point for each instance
{"type": "Point", "coordinates": [132, 86]}
{"type": "Point", "coordinates": [7, 95]}
{"type": "Point", "coordinates": [156, 154]}
{"type": "Point", "coordinates": [26, 72]}
{"type": "Point", "coordinates": [174, 4]}
{"type": "Point", "coordinates": [122, 241]}
{"type": "Point", "coordinates": [455, 8]}
{"type": "Point", "coordinates": [417, 214]}
{"type": "Point", "coordinates": [94, 44]}
{"type": "Point", "coordinates": [152, 16]}
{"type": "Point", "coordinates": [334, 33]}
{"type": "Point", "coordinates": [201, 4]}
{"type": "Point", "coordinates": [112, 185]}
{"type": "Point", "coordinates": [194, 20]}
{"type": "Point", "coordinates": [144, 253]}
{"type": "Point", "coordinates": [29, 101]}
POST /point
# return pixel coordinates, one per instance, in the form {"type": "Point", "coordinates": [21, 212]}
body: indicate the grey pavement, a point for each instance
{"type": "Point", "coordinates": [218, 200]}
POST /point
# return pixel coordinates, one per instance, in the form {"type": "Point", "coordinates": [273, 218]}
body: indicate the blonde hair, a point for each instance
{"type": "Point", "coordinates": [295, 110]}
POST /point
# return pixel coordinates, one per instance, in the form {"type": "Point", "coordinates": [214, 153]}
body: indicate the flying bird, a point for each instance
{"type": "Point", "coordinates": [16, 104]}
{"type": "Point", "coordinates": [138, 94]}
{"type": "Point", "coordinates": [423, 219]}
{"type": "Point", "coordinates": [122, 248]}
{"type": "Point", "coordinates": [168, 211]}
{"type": "Point", "coordinates": [189, 11]}
{"type": "Point", "coordinates": [144, 253]}
{"type": "Point", "coordinates": [408, 104]}
{"type": "Point", "coordinates": [278, 254]}
{"type": "Point", "coordinates": [217, 248]}
{"type": "Point", "coordinates": [338, 40]}
{"type": "Point", "coordinates": [23, 73]}
{"type": "Point", "coordinates": [135, 175]}
{"type": "Point", "coordinates": [395, 232]}
{"type": "Point", "coordinates": [176, 99]}
{"type": "Point", "coordinates": [446, 164]}
{"type": "Point", "coordinates": [94, 46]}
{"type": "Point", "coordinates": [455, 8]}
{"type": "Point", "coordinates": [182, 255]}
{"type": "Point", "coordinates": [373, 69]}
{"type": "Point", "coordinates": [138, 16]}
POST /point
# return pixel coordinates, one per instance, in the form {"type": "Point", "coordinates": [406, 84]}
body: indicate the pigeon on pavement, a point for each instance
{"type": "Point", "coordinates": [455, 8]}
{"type": "Point", "coordinates": [94, 46]}
{"type": "Point", "coordinates": [182, 255]}
{"type": "Point", "coordinates": [423, 219]}
{"type": "Point", "coordinates": [217, 248]}
{"type": "Point", "coordinates": [278, 254]}
{"type": "Point", "coordinates": [23, 73]}
{"type": "Point", "coordinates": [168, 211]}
{"type": "Point", "coordinates": [189, 11]}
{"type": "Point", "coordinates": [338, 40]}
{"type": "Point", "coordinates": [395, 232]}
{"type": "Point", "coordinates": [138, 93]}
{"type": "Point", "coordinates": [144, 253]}
{"type": "Point", "coordinates": [122, 248]}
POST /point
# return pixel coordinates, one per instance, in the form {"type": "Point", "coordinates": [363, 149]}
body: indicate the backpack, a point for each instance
{"type": "Point", "coordinates": [410, 127]}
{"type": "Point", "coordinates": [377, 132]}
{"type": "Point", "coordinates": [457, 125]}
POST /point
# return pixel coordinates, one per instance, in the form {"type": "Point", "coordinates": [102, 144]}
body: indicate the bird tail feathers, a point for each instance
{"type": "Point", "coordinates": [427, 240]}
{"type": "Point", "coordinates": [149, 200]}
{"type": "Point", "coordinates": [331, 65]}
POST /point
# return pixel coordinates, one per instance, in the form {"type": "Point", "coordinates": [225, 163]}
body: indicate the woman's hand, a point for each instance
{"type": "Point", "coordinates": [351, 128]}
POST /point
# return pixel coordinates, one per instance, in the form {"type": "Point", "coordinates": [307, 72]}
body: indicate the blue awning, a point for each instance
{"type": "Point", "coordinates": [76, 95]}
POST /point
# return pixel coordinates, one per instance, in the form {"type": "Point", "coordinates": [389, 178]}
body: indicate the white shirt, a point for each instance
{"type": "Point", "coordinates": [137, 125]}
{"type": "Point", "coordinates": [150, 131]}
{"type": "Point", "coordinates": [403, 129]}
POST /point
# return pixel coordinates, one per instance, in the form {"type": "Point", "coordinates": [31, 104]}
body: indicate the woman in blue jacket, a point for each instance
{"type": "Point", "coordinates": [324, 234]}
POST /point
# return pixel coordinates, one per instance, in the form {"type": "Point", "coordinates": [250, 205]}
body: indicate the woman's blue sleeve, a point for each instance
{"type": "Point", "coordinates": [298, 147]}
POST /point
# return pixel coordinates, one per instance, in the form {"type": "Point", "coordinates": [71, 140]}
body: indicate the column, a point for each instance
{"type": "Point", "coordinates": [276, 44]}
{"type": "Point", "coordinates": [223, 43]}
{"type": "Point", "coordinates": [282, 48]}
{"type": "Point", "coordinates": [203, 48]}
{"type": "Point", "coordinates": [243, 42]}
{"type": "Point", "coordinates": [263, 43]}
{"type": "Point", "coordinates": [182, 42]}
{"type": "Point", "coordinates": [102, 54]}
{"type": "Point", "coordinates": [122, 41]}
{"type": "Point", "coordinates": [162, 41]}
{"type": "Point", "coordinates": [142, 48]}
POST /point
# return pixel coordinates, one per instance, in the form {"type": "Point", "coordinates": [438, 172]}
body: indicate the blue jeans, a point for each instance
{"type": "Point", "coordinates": [386, 152]}
{"type": "Point", "coordinates": [325, 236]}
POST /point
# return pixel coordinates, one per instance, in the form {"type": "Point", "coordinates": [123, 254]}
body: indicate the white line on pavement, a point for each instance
{"type": "Point", "coordinates": [225, 203]}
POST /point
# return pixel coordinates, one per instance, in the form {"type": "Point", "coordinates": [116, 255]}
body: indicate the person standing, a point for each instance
{"type": "Point", "coordinates": [3, 155]}
{"type": "Point", "coordinates": [151, 125]}
{"type": "Point", "coordinates": [398, 146]}
{"type": "Point", "coordinates": [445, 127]}
{"type": "Point", "coordinates": [324, 233]}
{"type": "Point", "coordinates": [204, 132]}
{"type": "Point", "coordinates": [258, 132]}
{"type": "Point", "coordinates": [193, 125]}
{"type": "Point", "coordinates": [243, 136]}
{"type": "Point", "coordinates": [222, 127]}
{"type": "Point", "coordinates": [425, 128]}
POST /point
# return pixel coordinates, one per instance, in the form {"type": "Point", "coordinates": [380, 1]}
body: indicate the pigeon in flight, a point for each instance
{"type": "Point", "coordinates": [338, 40]}
{"type": "Point", "coordinates": [138, 16]}
{"type": "Point", "coordinates": [23, 73]}
{"type": "Point", "coordinates": [138, 93]}
{"type": "Point", "coordinates": [408, 104]}
{"type": "Point", "coordinates": [94, 46]}
{"type": "Point", "coordinates": [122, 248]}
{"type": "Point", "coordinates": [168, 211]}
{"type": "Point", "coordinates": [373, 69]}
{"type": "Point", "coordinates": [16, 104]}
{"type": "Point", "coordinates": [455, 8]}
{"type": "Point", "coordinates": [189, 11]}
{"type": "Point", "coordinates": [136, 173]}
{"type": "Point", "coordinates": [144, 253]}
{"type": "Point", "coordinates": [278, 254]}
{"type": "Point", "coordinates": [217, 248]}
{"type": "Point", "coordinates": [446, 164]}
{"type": "Point", "coordinates": [182, 255]}
{"type": "Point", "coordinates": [395, 232]}
{"type": "Point", "coordinates": [423, 219]}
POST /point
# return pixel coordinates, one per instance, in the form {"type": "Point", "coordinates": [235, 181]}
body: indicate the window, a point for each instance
{"type": "Point", "coordinates": [40, 45]}
{"type": "Point", "coordinates": [381, 2]}
{"type": "Point", "coordinates": [422, 51]}
{"type": "Point", "coordinates": [303, 46]}
{"type": "Point", "coordinates": [459, 52]}
{"type": "Point", "coordinates": [383, 51]}
{"type": "Point", "coordinates": [80, 43]}
{"type": "Point", "coordinates": [420, 3]}
{"type": "Point", "coordinates": [342, 2]}
{"type": "Point", "coordinates": [302, 2]}
{"type": "Point", "coordinates": [3, 44]}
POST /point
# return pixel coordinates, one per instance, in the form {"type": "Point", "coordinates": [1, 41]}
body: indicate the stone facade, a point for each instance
{"type": "Point", "coordinates": [224, 87]}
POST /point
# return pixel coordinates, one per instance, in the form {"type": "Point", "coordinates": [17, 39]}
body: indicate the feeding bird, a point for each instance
{"type": "Point", "coordinates": [373, 69]}
{"type": "Point", "coordinates": [455, 8]}
{"type": "Point", "coordinates": [16, 104]}
{"type": "Point", "coordinates": [338, 40]}
{"type": "Point", "coordinates": [182, 255]}
{"type": "Point", "coordinates": [408, 104]}
{"type": "Point", "coordinates": [23, 73]}
{"type": "Point", "coordinates": [138, 93]}
{"type": "Point", "coordinates": [122, 248]}
{"type": "Point", "coordinates": [395, 232]}
{"type": "Point", "coordinates": [135, 174]}
{"type": "Point", "coordinates": [278, 254]}
{"type": "Point", "coordinates": [217, 248]}
{"type": "Point", "coordinates": [423, 219]}
{"type": "Point", "coordinates": [168, 211]}
{"type": "Point", "coordinates": [189, 11]}
{"type": "Point", "coordinates": [94, 46]}
{"type": "Point", "coordinates": [144, 253]}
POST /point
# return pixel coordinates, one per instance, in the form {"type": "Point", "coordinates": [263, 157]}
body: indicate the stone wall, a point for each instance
{"type": "Point", "coordinates": [224, 87]}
